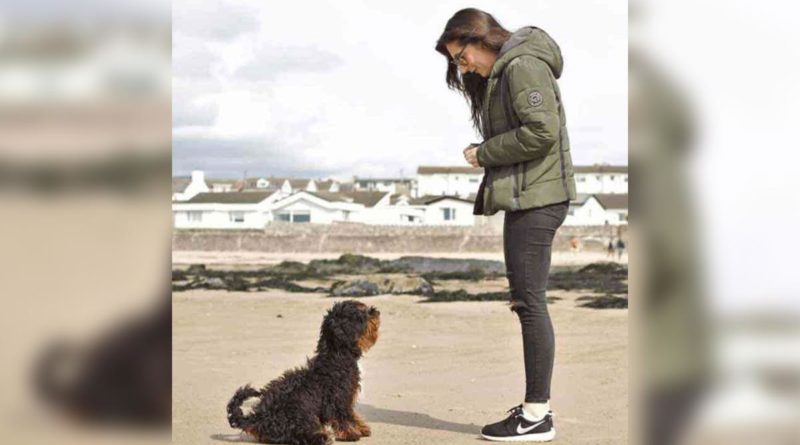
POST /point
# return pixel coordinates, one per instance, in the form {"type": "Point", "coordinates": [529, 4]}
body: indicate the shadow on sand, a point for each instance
{"type": "Point", "coordinates": [381, 415]}
{"type": "Point", "coordinates": [418, 420]}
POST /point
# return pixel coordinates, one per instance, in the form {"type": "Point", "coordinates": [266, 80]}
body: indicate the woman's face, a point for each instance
{"type": "Point", "coordinates": [471, 58]}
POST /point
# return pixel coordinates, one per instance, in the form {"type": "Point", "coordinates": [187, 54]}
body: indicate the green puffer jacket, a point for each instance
{"type": "Point", "coordinates": [525, 152]}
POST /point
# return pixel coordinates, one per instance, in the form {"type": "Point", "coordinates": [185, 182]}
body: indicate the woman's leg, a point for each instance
{"type": "Point", "coordinates": [528, 239]}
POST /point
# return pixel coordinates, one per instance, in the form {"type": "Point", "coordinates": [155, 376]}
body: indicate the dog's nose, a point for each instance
{"type": "Point", "coordinates": [373, 311]}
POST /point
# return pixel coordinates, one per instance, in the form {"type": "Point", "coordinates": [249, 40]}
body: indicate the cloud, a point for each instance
{"type": "Point", "coordinates": [353, 92]}
{"type": "Point", "coordinates": [270, 61]}
{"type": "Point", "coordinates": [214, 20]}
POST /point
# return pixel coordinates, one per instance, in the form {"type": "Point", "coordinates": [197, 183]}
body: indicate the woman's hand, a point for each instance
{"type": "Point", "coordinates": [471, 155]}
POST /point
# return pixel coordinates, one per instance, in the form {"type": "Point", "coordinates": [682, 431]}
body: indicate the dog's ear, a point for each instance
{"type": "Point", "coordinates": [342, 326]}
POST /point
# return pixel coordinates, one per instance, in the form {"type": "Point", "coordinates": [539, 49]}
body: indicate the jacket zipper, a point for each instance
{"type": "Point", "coordinates": [524, 175]}
{"type": "Point", "coordinates": [488, 136]}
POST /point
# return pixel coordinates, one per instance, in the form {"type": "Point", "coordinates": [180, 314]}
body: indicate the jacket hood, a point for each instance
{"type": "Point", "coordinates": [529, 41]}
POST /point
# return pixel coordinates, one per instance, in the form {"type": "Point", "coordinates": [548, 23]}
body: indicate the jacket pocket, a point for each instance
{"type": "Point", "coordinates": [502, 190]}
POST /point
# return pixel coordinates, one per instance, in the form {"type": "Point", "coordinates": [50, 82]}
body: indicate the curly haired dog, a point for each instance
{"type": "Point", "coordinates": [297, 407]}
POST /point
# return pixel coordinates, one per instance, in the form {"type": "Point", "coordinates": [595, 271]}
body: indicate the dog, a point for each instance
{"type": "Point", "coordinates": [299, 406]}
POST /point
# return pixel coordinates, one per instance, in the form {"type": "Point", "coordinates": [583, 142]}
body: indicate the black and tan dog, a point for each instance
{"type": "Point", "coordinates": [297, 407]}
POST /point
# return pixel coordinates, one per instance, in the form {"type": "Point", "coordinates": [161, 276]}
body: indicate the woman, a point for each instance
{"type": "Point", "coordinates": [509, 81]}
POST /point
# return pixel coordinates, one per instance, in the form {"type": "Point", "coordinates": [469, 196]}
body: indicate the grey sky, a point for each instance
{"type": "Point", "coordinates": [355, 87]}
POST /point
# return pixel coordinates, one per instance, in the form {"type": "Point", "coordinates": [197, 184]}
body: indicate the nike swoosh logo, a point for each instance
{"type": "Point", "coordinates": [521, 430]}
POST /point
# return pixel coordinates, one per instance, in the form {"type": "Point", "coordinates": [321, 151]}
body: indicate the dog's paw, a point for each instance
{"type": "Point", "coordinates": [364, 429]}
{"type": "Point", "coordinates": [320, 439]}
{"type": "Point", "coordinates": [348, 435]}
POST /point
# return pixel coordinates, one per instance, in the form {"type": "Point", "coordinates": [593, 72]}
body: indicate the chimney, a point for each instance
{"type": "Point", "coordinates": [198, 176]}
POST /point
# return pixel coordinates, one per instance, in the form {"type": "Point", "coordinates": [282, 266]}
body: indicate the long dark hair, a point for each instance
{"type": "Point", "coordinates": [471, 26]}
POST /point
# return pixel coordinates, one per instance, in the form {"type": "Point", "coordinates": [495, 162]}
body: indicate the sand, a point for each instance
{"type": "Point", "coordinates": [437, 374]}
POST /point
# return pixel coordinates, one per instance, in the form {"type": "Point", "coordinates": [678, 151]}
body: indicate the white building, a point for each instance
{"type": "Point", "coordinates": [601, 178]}
{"type": "Point", "coordinates": [598, 210]}
{"type": "Point", "coordinates": [234, 210]}
{"type": "Point", "coordinates": [316, 208]}
{"type": "Point", "coordinates": [446, 210]}
{"type": "Point", "coordinates": [464, 181]}
{"type": "Point", "coordinates": [440, 196]}
{"type": "Point", "coordinates": [452, 181]}
{"type": "Point", "coordinates": [390, 185]}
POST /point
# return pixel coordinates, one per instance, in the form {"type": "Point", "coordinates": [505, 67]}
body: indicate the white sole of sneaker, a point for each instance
{"type": "Point", "coordinates": [539, 437]}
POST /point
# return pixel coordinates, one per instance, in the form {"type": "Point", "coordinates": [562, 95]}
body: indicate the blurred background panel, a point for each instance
{"type": "Point", "coordinates": [712, 104]}
{"type": "Point", "coordinates": [85, 118]}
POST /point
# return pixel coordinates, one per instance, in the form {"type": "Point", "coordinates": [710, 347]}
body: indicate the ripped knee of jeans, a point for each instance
{"type": "Point", "coordinates": [516, 305]}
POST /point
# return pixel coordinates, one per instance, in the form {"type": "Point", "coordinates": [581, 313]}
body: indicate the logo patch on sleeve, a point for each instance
{"type": "Point", "coordinates": [535, 99]}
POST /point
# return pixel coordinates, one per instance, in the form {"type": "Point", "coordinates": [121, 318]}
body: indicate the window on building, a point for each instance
{"type": "Point", "coordinates": [236, 217]}
{"type": "Point", "coordinates": [599, 177]}
{"type": "Point", "coordinates": [473, 180]}
{"type": "Point", "coordinates": [580, 178]}
{"type": "Point", "coordinates": [194, 216]}
{"type": "Point", "coordinates": [302, 216]}
{"type": "Point", "coordinates": [449, 213]}
{"type": "Point", "coordinates": [626, 179]}
{"type": "Point", "coordinates": [572, 211]}
{"type": "Point", "coordinates": [611, 177]}
{"type": "Point", "coordinates": [287, 217]}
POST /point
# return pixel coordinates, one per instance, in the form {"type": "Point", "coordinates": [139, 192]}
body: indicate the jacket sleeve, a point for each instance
{"type": "Point", "coordinates": [534, 99]}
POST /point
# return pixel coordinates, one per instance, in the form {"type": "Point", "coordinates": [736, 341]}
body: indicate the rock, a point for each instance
{"type": "Point", "coordinates": [179, 275]}
{"type": "Point", "coordinates": [418, 264]}
{"type": "Point", "coordinates": [235, 283]}
{"type": "Point", "coordinates": [196, 269]}
{"type": "Point", "coordinates": [354, 288]}
{"type": "Point", "coordinates": [382, 284]}
{"type": "Point", "coordinates": [604, 302]}
{"type": "Point", "coordinates": [213, 283]}
{"type": "Point", "coordinates": [288, 268]}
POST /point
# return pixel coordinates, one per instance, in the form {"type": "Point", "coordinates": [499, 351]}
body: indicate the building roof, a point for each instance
{"type": "Point", "coordinates": [600, 168]}
{"type": "Point", "coordinates": [325, 185]}
{"type": "Point", "coordinates": [612, 200]}
{"type": "Point", "coordinates": [581, 199]}
{"type": "Point", "coordinates": [396, 197]}
{"type": "Point", "coordinates": [298, 183]}
{"type": "Point", "coordinates": [367, 199]}
{"type": "Point", "coordinates": [179, 184]}
{"type": "Point", "coordinates": [346, 187]}
{"type": "Point", "coordinates": [222, 181]}
{"type": "Point", "coordinates": [230, 198]}
{"type": "Point", "coordinates": [430, 199]}
{"type": "Point", "coordinates": [400, 180]}
{"type": "Point", "coordinates": [430, 170]}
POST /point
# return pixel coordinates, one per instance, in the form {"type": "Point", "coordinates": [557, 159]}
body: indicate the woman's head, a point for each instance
{"type": "Point", "coordinates": [470, 43]}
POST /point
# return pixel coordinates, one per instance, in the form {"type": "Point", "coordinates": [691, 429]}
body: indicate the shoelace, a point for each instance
{"type": "Point", "coordinates": [517, 410]}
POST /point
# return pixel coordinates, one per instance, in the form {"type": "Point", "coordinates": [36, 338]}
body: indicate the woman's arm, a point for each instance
{"type": "Point", "coordinates": [534, 100]}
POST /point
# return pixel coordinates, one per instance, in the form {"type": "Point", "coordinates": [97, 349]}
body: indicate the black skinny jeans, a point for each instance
{"type": "Point", "coordinates": [527, 244]}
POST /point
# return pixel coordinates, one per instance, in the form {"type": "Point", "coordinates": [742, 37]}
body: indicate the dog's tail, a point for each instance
{"type": "Point", "coordinates": [236, 417]}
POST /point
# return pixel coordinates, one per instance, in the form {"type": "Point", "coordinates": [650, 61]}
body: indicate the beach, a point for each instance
{"type": "Point", "coordinates": [437, 374]}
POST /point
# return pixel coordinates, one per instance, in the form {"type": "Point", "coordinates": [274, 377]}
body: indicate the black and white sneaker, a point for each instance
{"type": "Point", "coordinates": [516, 428]}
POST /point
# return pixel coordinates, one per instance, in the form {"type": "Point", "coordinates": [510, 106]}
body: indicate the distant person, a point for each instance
{"type": "Point", "coordinates": [620, 248]}
{"type": "Point", "coordinates": [509, 81]}
{"type": "Point", "coordinates": [610, 249]}
{"type": "Point", "coordinates": [574, 245]}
